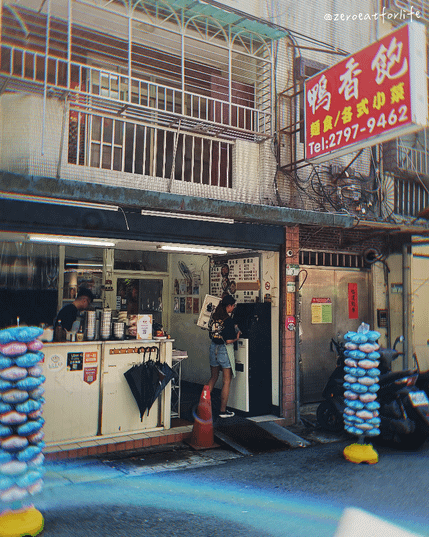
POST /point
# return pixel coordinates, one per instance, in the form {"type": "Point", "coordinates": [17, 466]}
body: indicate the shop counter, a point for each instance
{"type": "Point", "coordinates": [119, 412]}
{"type": "Point", "coordinates": [87, 394]}
{"type": "Point", "coordinates": [72, 390]}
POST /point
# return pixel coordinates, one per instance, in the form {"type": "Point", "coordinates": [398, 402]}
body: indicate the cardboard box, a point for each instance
{"type": "Point", "coordinates": [209, 305]}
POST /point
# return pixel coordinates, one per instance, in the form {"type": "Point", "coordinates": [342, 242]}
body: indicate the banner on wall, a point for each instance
{"type": "Point", "coordinates": [353, 301]}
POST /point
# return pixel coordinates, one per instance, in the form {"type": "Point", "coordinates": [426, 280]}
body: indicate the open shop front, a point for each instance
{"type": "Point", "coordinates": [87, 393]}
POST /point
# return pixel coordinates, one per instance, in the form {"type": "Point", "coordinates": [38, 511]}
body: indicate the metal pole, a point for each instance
{"type": "Point", "coordinates": [45, 88]}
{"type": "Point", "coordinates": [297, 353]}
{"type": "Point", "coordinates": [406, 298]}
{"type": "Point", "coordinates": [69, 43]}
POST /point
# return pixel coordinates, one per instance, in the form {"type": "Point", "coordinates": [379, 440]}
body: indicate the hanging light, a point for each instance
{"type": "Point", "coordinates": [77, 241]}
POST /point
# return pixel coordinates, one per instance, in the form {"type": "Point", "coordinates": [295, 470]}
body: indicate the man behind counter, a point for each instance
{"type": "Point", "coordinates": [67, 315]}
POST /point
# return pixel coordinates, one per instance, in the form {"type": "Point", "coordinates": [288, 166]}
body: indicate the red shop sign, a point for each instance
{"type": "Point", "coordinates": [374, 95]}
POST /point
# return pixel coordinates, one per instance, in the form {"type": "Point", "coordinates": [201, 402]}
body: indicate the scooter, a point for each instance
{"type": "Point", "coordinates": [404, 409]}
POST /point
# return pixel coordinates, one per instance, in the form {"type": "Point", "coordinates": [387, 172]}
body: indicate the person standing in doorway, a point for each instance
{"type": "Point", "coordinates": [223, 334]}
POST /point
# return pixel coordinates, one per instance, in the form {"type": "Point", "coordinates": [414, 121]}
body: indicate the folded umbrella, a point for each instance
{"type": "Point", "coordinates": [165, 374]}
{"type": "Point", "coordinates": [134, 377]}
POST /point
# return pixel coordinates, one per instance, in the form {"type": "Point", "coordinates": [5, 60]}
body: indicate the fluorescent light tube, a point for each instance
{"type": "Point", "coordinates": [57, 201]}
{"type": "Point", "coordinates": [77, 241]}
{"type": "Point", "coordinates": [187, 216]}
{"type": "Point", "coordinates": [192, 250]}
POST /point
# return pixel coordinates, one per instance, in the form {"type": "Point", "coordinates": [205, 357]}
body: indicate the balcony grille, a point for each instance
{"type": "Point", "coordinates": [331, 259]}
{"type": "Point", "coordinates": [410, 197]}
{"type": "Point", "coordinates": [116, 145]}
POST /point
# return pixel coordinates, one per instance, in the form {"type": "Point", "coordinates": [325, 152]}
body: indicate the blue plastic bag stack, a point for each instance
{"type": "Point", "coordinates": [21, 422]}
{"type": "Point", "coordinates": [361, 378]}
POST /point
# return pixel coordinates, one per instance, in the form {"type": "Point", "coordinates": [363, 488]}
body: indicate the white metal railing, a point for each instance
{"type": "Point", "coordinates": [412, 159]}
{"type": "Point", "coordinates": [128, 93]}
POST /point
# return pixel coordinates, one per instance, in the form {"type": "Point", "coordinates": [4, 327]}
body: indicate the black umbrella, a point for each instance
{"type": "Point", "coordinates": [134, 379]}
{"type": "Point", "coordinates": [164, 374]}
{"type": "Point", "coordinates": [141, 380]}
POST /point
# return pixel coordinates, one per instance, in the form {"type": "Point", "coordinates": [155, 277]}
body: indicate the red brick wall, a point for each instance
{"type": "Point", "coordinates": [288, 410]}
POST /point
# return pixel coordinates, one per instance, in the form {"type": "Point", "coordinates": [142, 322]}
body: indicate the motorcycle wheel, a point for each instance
{"type": "Point", "coordinates": [329, 418]}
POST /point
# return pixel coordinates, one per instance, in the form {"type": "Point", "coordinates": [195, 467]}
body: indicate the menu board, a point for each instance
{"type": "Point", "coordinates": [238, 276]}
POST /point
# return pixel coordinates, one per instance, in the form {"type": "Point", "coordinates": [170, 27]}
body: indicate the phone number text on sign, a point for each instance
{"type": "Point", "coordinates": [357, 131]}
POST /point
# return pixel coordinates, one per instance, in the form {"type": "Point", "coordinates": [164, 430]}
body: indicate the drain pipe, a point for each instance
{"type": "Point", "coordinates": [297, 351]}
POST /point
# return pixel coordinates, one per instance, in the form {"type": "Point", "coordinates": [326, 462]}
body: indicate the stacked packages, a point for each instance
{"type": "Point", "coordinates": [21, 422]}
{"type": "Point", "coordinates": [361, 416]}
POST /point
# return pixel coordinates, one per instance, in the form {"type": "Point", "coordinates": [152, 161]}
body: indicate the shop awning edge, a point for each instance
{"type": "Point", "coordinates": [163, 201]}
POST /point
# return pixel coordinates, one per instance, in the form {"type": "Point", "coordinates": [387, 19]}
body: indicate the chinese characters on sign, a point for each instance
{"type": "Point", "coordinates": [321, 311]}
{"type": "Point", "coordinates": [368, 97]}
{"type": "Point", "coordinates": [353, 301]}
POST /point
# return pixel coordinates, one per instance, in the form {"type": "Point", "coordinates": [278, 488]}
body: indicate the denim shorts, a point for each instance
{"type": "Point", "coordinates": [219, 356]}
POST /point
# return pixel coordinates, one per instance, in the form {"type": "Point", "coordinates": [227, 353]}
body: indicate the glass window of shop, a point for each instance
{"type": "Point", "coordinates": [138, 260]}
{"type": "Point", "coordinates": [28, 283]}
{"type": "Point", "coordinates": [83, 267]}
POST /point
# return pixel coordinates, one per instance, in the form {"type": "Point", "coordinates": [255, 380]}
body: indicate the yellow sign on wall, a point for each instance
{"type": "Point", "coordinates": [321, 311]}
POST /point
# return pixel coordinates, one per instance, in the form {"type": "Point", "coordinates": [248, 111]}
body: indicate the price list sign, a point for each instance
{"type": "Point", "coordinates": [239, 277]}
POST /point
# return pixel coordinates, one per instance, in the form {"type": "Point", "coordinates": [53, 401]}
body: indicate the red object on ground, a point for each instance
{"type": "Point", "coordinates": [202, 432]}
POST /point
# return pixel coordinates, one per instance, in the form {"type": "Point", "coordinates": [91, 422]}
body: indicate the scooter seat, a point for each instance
{"type": "Point", "coordinates": [392, 376]}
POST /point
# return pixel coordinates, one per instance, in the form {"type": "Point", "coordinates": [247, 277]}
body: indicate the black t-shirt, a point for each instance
{"type": "Point", "coordinates": [67, 316]}
{"type": "Point", "coordinates": [221, 331]}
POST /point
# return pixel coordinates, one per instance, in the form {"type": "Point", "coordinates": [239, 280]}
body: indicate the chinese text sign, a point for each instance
{"type": "Point", "coordinates": [373, 95]}
{"type": "Point", "coordinates": [353, 301]}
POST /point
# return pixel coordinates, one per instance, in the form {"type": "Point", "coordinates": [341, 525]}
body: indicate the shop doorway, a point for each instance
{"type": "Point", "coordinates": [142, 295]}
{"type": "Point", "coordinates": [333, 301]}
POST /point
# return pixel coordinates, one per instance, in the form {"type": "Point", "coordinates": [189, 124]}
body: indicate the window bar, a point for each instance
{"type": "Point", "coordinates": [79, 122]}
{"type": "Point", "coordinates": [34, 67]}
{"type": "Point", "coordinates": [123, 147]}
{"type": "Point", "coordinates": [201, 160]}
{"type": "Point", "coordinates": [112, 145]}
{"type": "Point", "coordinates": [164, 154]}
{"type": "Point", "coordinates": [56, 71]}
{"type": "Point", "coordinates": [144, 150]}
{"type": "Point", "coordinates": [183, 158]}
{"type": "Point", "coordinates": [210, 161]}
{"type": "Point", "coordinates": [155, 151]}
{"type": "Point", "coordinates": [101, 143]}
{"type": "Point", "coordinates": [192, 159]}
{"type": "Point", "coordinates": [218, 163]}
{"type": "Point", "coordinates": [90, 119]}
{"type": "Point", "coordinates": [134, 149]}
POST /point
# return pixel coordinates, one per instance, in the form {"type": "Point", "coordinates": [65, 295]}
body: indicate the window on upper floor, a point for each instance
{"type": "Point", "coordinates": [114, 144]}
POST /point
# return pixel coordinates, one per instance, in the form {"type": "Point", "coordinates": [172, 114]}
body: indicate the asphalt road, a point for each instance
{"type": "Point", "coordinates": [296, 492]}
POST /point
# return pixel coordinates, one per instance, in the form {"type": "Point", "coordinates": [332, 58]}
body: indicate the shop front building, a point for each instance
{"type": "Point", "coordinates": [159, 148]}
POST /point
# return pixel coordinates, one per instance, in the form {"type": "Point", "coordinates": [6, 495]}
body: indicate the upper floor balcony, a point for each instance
{"type": "Point", "coordinates": [143, 98]}
{"type": "Point", "coordinates": [154, 62]}
{"type": "Point", "coordinates": [87, 87]}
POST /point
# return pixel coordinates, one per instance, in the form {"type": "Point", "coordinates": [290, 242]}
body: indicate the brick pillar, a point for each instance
{"type": "Point", "coordinates": [288, 346]}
